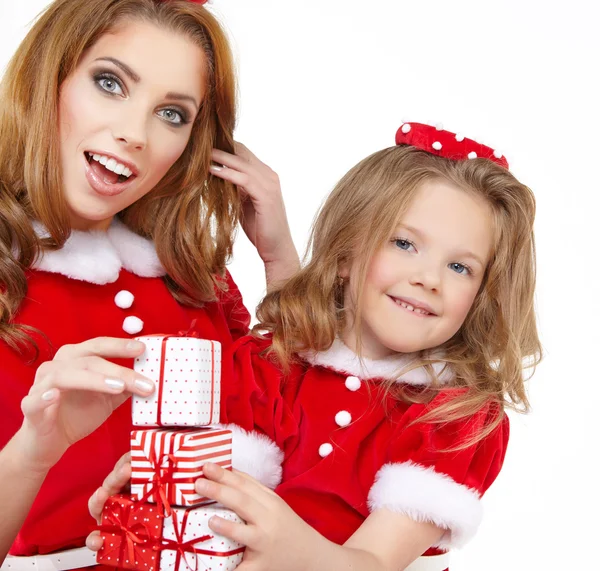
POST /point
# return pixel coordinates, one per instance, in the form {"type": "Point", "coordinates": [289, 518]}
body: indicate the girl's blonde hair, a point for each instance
{"type": "Point", "coordinates": [190, 215]}
{"type": "Point", "coordinates": [487, 354]}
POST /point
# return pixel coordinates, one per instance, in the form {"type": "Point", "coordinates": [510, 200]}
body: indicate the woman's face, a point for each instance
{"type": "Point", "coordinates": [125, 116]}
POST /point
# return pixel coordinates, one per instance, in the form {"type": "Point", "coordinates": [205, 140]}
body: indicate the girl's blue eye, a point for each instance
{"type": "Point", "coordinates": [403, 244]}
{"type": "Point", "coordinates": [172, 116]}
{"type": "Point", "coordinates": [459, 268]}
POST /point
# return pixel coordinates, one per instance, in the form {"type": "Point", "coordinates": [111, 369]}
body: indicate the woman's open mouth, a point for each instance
{"type": "Point", "coordinates": [107, 175]}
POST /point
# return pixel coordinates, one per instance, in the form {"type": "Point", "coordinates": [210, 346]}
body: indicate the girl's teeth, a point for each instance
{"type": "Point", "coordinates": [103, 160]}
{"type": "Point", "coordinates": [119, 169]}
{"type": "Point", "coordinates": [111, 164]}
{"type": "Point", "coordinates": [411, 308]}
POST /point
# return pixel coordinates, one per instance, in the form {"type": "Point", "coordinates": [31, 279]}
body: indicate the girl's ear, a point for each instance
{"type": "Point", "coordinates": [344, 270]}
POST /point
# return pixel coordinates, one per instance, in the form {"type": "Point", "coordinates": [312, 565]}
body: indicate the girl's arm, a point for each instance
{"type": "Point", "coordinates": [276, 538]}
{"type": "Point", "coordinates": [264, 219]}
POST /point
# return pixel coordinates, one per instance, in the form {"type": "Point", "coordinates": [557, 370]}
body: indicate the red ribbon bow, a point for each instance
{"type": "Point", "coordinates": [130, 536]}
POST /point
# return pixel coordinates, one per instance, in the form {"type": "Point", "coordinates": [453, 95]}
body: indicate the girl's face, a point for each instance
{"type": "Point", "coordinates": [421, 284]}
{"type": "Point", "coordinates": [125, 116]}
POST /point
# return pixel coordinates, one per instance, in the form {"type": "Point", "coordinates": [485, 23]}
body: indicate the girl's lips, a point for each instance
{"type": "Point", "coordinates": [415, 307]}
{"type": "Point", "coordinates": [100, 186]}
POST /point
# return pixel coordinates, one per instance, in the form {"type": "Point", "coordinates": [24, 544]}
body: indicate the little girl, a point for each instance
{"type": "Point", "coordinates": [378, 376]}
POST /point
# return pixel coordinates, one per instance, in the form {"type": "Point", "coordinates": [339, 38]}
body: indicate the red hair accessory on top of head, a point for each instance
{"type": "Point", "coordinates": [436, 141]}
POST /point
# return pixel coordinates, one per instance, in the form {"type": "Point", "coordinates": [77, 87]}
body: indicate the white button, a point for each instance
{"type": "Point", "coordinates": [343, 418]}
{"type": "Point", "coordinates": [353, 383]}
{"type": "Point", "coordinates": [132, 325]}
{"type": "Point", "coordinates": [325, 449]}
{"type": "Point", "coordinates": [124, 299]}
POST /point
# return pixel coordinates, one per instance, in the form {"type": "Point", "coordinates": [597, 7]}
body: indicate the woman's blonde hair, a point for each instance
{"type": "Point", "coordinates": [487, 354]}
{"type": "Point", "coordinates": [190, 215]}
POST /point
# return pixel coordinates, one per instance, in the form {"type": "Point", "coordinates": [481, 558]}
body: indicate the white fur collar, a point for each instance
{"type": "Point", "coordinates": [342, 359]}
{"type": "Point", "coordinates": [97, 257]}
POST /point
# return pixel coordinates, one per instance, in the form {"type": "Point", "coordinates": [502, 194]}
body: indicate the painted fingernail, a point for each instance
{"type": "Point", "coordinates": [215, 168]}
{"type": "Point", "coordinates": [49, 395]}
{"type": "Point", "coordinates": [145, 386]}
{"type": "Point", "coordinates": [115, 383]}
{"type": "Point", "coordinates": [134, 345]}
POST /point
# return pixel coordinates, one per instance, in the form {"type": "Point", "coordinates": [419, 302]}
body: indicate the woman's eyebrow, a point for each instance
{"type": "Point", "coordinates": [132, 75]}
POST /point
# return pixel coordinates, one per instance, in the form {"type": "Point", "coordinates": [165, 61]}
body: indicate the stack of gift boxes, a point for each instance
{"type": "Point", "coordinates": [163, 524]}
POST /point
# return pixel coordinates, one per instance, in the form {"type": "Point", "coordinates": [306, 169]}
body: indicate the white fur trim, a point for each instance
{"type": "Point", "coordinates": [97, 257]}
{"type": "Point", "coordinates": [256, 454]}
{"type": "Point", "coordinates": [423, 494]}
{"type": "Point", "coordinates": [342, 359]}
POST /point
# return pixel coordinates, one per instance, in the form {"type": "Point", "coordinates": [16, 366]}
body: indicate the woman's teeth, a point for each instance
{"type": "Point", "coordinates": [112, 165]}
{"type": "Point", "coordinates": [411, 308]}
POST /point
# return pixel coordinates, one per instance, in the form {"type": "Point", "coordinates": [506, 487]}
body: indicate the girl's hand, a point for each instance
{"type": "Point", "coordinates": [74, 394]}
{"type": "Point", "coordinates": [264, 219]}
{"type": "Point", "coordinates": [274, 536]}
{"type": "Point", "coordinates": [116, 482]}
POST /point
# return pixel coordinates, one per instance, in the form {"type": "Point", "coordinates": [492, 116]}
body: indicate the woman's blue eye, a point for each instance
{"type": "Point", "coordinates": [459, 268]}
{"type": "Point", "coordinates": [403, 244]}
{"type": "Point", "coordinates": [109, 84]}
{"type": "Point", "coordinates": [172, 116]}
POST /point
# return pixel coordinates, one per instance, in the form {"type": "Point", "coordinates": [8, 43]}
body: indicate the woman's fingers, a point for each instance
{"type": "Point", "coordinates": [94, 541]}
{"type": "Point", "coordinates": [110, 347]}
{"type": "Point", "coordinates": [91, 373]}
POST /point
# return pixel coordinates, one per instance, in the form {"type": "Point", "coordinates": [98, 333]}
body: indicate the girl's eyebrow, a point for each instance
{"type": "Point", "coordinates": [136, 79]}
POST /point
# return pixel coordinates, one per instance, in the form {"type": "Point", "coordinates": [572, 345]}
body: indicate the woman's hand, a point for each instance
{"type": "Point", "coordinates": [274, 536]}
{"type": "Point", "coordinates": [264, 219]}
{"type": "Point", "coordinates": [74, 394]}
{"type": "Point", "coordinates": [116, 482]}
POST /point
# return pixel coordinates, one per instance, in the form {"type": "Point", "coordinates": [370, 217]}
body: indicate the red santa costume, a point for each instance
{"type": "Point", "coordinates": [348, 450]}
{"type": "Point", "coordinates": [99, 284]}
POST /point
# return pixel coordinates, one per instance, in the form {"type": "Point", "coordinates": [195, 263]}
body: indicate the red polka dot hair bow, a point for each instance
{"type": "Point", "coordinates": [436, 141]}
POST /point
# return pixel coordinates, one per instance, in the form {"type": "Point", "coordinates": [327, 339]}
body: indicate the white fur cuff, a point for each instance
{"type": "Point", "coordinates": [426, 495]}
{"type": "Point", "coordinates": [256, 454]}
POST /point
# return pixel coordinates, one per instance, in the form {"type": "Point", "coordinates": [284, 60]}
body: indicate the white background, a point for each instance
{"type": "Point", "coordinates": [325, 83]}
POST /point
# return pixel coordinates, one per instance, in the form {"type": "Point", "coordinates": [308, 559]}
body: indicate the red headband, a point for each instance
{"type": "Point", "coordinates": [436, 141]}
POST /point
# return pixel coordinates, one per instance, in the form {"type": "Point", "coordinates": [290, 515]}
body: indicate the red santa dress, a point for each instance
{"type": "Point", "coordinates": [347, 450]}
{"type": "Point", "coordinates": [99, 284]}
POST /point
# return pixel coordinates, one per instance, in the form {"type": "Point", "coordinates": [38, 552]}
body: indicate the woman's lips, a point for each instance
{"type": "Point", "coordinates": [101, 179]}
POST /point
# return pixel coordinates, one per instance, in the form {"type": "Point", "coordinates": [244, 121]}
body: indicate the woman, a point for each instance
{"type": "Point", "coordinates": [112, 222]}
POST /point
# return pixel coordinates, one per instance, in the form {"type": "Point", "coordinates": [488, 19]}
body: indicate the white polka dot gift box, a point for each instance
{"type": "Point", "coordinates": [187, 373]}
{"type": "Point", "coordinates": [188, 543]}
{"type": "Point", "coordinates": [130, 531]}
{"type": "Point", "coordinates": [165, 463]}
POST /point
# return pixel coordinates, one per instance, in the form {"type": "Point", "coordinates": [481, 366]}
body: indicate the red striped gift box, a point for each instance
{"type": "Point", "coordinates": [165, 463]}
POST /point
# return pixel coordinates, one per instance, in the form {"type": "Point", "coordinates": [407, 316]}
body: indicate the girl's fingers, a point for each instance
{"type": "Point", "coordinates": [34, 406]}
{"type": "Point", "coordinates": [110, 347]}
{"type": "Point", "coordinates": [236, 531]}
{"type": "Point", "coordinates": [94, 541]}
{"type": "Point", "coordinates": [90, 373]}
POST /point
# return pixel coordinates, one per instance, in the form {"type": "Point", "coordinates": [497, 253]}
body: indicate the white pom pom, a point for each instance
{"type": "Point", "coordinates": [437, 146]}
{"type": "Point", "coordinates": [343, 418]}
{"type": "Point", "coordinates": [439, 126]}
{"type": "Point", "coordinates": [460, 138]}
{"type": "Point", "coordinates": [124, 299]}
{"type": "Point", "coordinates": [132, 325]}
{"type": "Point", "coordinates": [325, 449]}
{"type": "Point", "coordinates": [406, 128]}
{"type": "Point", "coordinates": [498, 154]}
{"type": "Point", "coordinates": [472, 155]}
{"type": "Point", "coordinates": [352, 383]}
